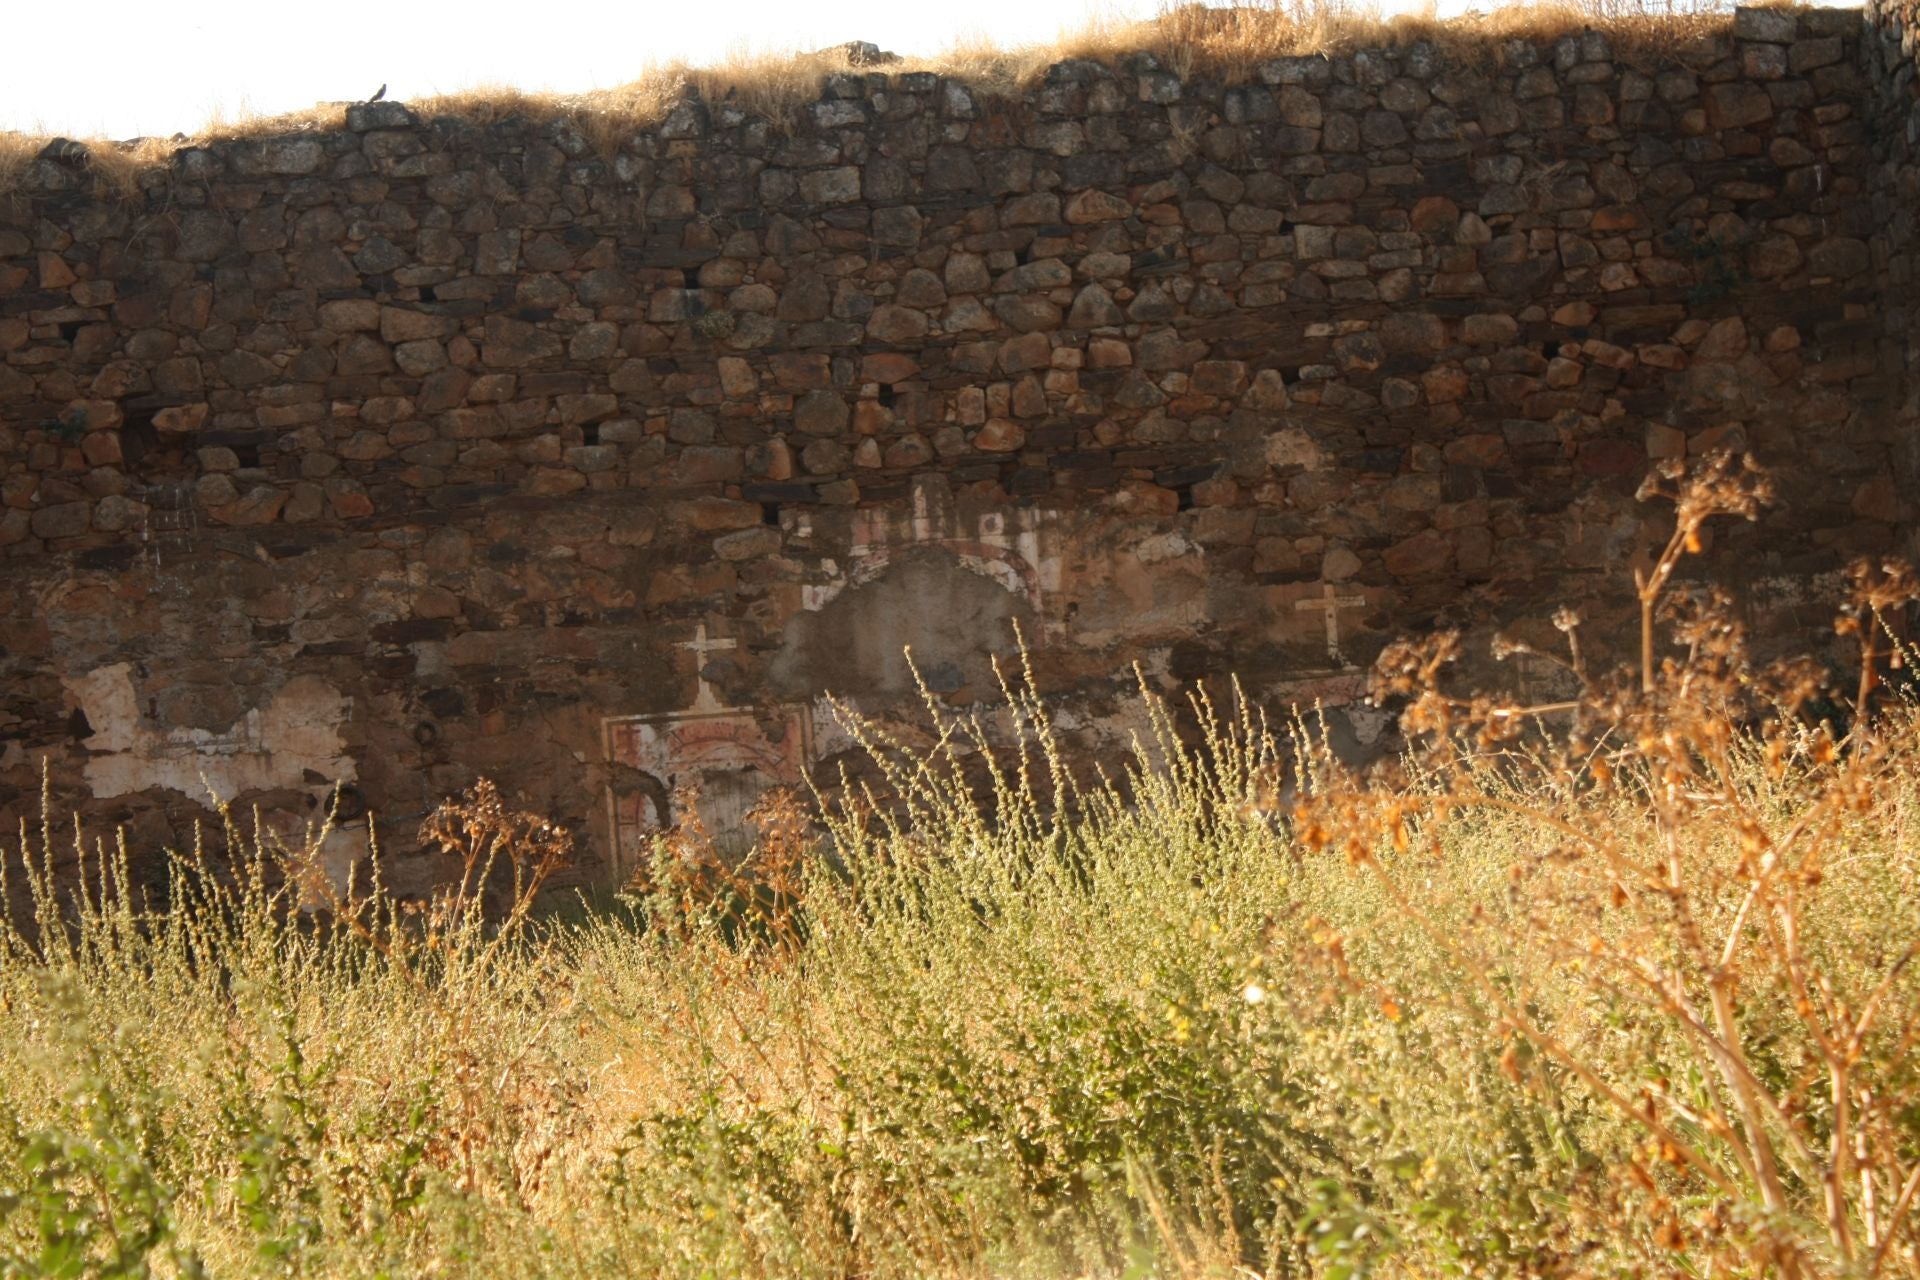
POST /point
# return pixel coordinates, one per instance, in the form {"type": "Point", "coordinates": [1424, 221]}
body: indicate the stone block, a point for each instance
{"type": "Point", "coordinates": [1000, 435]}
{"type": "Point", "coordinates": [1095, 206]}
{"type": "Point", "coordinates": [821, 413]}
{"type": "Point", "coordinates": [1425, 555]}
{"type": "Point", "coordinates": [62, 520]}
{"type": "Point", "coordinates": [401, 324]}
{"type": "Point", "coordinates": [1840, 257]}
{"type": "Point", "coordinates": [364, 117]}
{"type": "Point", "coordinates": [1737, 104]}
{"type": "Point", "coordinates": [350, 315]}
{"type": "Point", "coordinates": [892, 323]}
{"type": "Point", "coordinates": [831, 186]}
{"type": "Point", "coordinates": [261, 504]}
{"type": "Point", "coordinates": [1775, 26]}
{"type": "Point", "coordinates": [747, 544]}
{"type": "Point", "coordinates": [510, 343]}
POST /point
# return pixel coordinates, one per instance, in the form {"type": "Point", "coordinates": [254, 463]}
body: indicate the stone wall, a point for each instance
{"type": "Point", "coordinates": [1893, 69]}
{"type": "Point", "coordinates": [427, 449]}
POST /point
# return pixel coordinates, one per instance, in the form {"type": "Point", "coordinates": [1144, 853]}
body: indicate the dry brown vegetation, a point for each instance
{"type": "Point", "coordinates": [118, 165]}
{"type": "Point", "coordinates": [1626, 985]}
{"type": "Point", "coordinates": [1227, 43]}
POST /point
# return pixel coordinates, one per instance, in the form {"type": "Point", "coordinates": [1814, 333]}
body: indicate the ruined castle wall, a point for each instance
{"type": "Point", "coordinates": [1893, 71]}
{"type": "Point", "coordinates": [429, 448]}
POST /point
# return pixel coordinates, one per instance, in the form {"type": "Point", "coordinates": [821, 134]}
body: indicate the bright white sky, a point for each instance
{"type": "Point", "coordinates": [124, 68]}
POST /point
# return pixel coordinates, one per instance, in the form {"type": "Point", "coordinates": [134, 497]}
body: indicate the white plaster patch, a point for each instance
{"type": "Point", "coordinates": [830, 736]}
{"type": "Point", "coordinates": [1789, 591]}
{"type": "Point", "coordinates": [1163, 546]}
{"type": "Point", "coordinates": [1005, 548]}
{"type": "Point", "coordinates": [1368, 722]}
{"type": "Point", "coordinates": [268, 747]}
{"type": "Point", "coordinates": [324, 870]}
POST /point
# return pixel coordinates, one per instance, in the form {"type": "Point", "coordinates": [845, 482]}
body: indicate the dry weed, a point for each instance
{"type": "Point", "coordinates": [692, 885]}
{"type": "Point", "coordinates": [1775, 1090]}
{"type": "Point", "coordinates": [505, 857]}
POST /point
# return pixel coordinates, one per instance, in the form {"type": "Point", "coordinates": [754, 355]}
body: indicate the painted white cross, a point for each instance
{"type": "Point", "coordinates": [701, 646]}
{"type": "Point", "coordinates": [1331, 601]}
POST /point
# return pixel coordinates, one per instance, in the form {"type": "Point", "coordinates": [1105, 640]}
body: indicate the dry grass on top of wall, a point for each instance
{"type": "Point", "coordinates": [117, 166]}
{"type": "Point", "coordinates": [1227, 43]}
{"type": "Point", "coordinates": [1231, 42]}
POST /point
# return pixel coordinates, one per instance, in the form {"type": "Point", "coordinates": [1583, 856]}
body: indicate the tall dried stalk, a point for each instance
{"type": "Point", "coordinates": [1718, 927]}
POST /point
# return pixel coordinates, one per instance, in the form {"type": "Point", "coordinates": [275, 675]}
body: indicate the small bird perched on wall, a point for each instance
{"type": "Point", "coordinates": [379, 93]}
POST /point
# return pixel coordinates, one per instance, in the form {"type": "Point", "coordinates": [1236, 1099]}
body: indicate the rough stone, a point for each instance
{"type": "Point", "coordinates": [821, 413]}
{"type": "Point", "coordinates": [1000, 435]}
{"type": "Point", "coordinates": [483, 420]}
{"type": "Point", "coordinates": [897, 324]}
